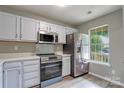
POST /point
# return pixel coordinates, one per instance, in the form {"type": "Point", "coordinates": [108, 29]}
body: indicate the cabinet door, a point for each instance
{"type": "Point", "coordinates": [31, 71]}
{"type": "Point", "coordinates": [8, 26]}
{"type": "Point", "coordinates": [61, 34]}
{"type": "Point", "coordinates": [44, 26]}
{"type": "Point", "coordinates": [66, 67]}
{"type": "Point", "coordinates": [12, 78]}
{"type": "Point", "coordinates": [53, 28]}
{"type": "Point", "coordinates": [29, 29]}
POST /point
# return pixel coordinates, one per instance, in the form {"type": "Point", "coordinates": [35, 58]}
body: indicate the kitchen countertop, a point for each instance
{"type": "Point", "coordinates": [66, 55]}
{"type": "Point", "coordinates": [16, 56]}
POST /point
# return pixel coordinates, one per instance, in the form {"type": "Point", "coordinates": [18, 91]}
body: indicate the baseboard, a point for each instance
{"type": "Point", "coordinates": [107, 79]}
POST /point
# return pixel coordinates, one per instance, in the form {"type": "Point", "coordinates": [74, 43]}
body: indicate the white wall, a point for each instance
{"type": "Point", "coordinates": [115, 22]}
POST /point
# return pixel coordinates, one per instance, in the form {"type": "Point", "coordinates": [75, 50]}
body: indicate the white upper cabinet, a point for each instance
{"type": "Point", "coordinates": [16, 28]}
{"type": "Point", "coordinates": [61, 34]}
{"type": "Point", "coordinates": [53, 28]}
{"type": "Point", "coordinates": [9, 26]}
{"type": "Point", "coordinates": [44, 26]}
{"type": "Point", "coordinates": [29, 29]}
{"type": "Point", "coordinates": [70, 30]}
{"type": "Point", "coordinates": [60, 30]}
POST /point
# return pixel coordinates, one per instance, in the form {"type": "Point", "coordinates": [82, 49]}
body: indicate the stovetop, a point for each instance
{"type": "Point", "coordinates": [49, 57]}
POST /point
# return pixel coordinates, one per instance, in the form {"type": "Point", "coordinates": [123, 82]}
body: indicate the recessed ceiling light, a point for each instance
{"type": "Point", "coordinates": [61, 5]}
{"type": "Point", "coordinates": [89, 12]}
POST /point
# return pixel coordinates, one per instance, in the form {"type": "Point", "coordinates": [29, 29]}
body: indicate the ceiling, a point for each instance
{"type": "Point", "coordinates": [70, 14]}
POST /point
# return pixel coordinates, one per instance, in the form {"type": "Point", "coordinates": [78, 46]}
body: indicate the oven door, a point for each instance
{"type": "Point", "coordinates": [50, 70]}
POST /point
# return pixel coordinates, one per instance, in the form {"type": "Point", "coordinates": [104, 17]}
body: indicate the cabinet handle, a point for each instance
{"type": "Point", "coordinates": [50, 28]}
{"type": "Point", "coordinates": [47, 28]}
{"type": "Point", "coordinates": [20, 35]}
{"type": "Point", "coordinates": [19, 72]}
{"type": "Point", "coordinates": [16, 36]}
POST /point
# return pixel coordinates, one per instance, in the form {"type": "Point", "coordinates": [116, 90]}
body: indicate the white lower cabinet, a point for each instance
{"type": "Point", "coordinates": [23, 73]}
{"type": "Point", "coordinates": [1, 80]}
{"type": "Point", "coordinates": [31, 73]}
{"type": "Point", "coordinates": [31, 82]}
{"type": "Point", "coordinates": [13, 76]}
{"type": "Point", "coordinates": [66, 66]}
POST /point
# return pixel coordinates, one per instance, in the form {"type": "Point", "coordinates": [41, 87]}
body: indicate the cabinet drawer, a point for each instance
{"type": "Point", "coordinates": [31, 68]}
{"type": "Point", "coordinates": [31, 75]}
{"type": "Point", "coordinates": [31, 62]}
{"type": "Point", "coordinates": [31, 82]}
{"type": "Point", "coordinates": [66, 60]}
{"type": "Point", "coordinates": [12, 65]}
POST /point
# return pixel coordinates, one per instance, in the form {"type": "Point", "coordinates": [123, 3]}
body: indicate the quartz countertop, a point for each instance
{"type": "Point", "coordinates": [66, 55]}
{"type": "Point", "coordinates": [16, 56]}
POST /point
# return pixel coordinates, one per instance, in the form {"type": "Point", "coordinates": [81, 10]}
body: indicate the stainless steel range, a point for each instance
{"type": "Point", "coordinates": [50, 69]}
{"type": "Point", "coordinates": [50, 64]}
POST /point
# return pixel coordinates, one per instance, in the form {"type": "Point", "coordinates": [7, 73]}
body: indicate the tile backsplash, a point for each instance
{"type": "Point", "coordinates": [17, 47]}
{"type": "Point", "coordinates": [58, 49]}
{"type": "Point", "coordinates": [22, 47]}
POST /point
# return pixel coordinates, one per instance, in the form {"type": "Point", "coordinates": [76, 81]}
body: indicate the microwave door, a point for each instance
{"type": "Point", "coordinates": [46, 38]}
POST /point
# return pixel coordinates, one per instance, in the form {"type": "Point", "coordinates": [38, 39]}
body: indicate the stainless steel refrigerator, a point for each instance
{"type": "Point", "coordinates": [79, 59]}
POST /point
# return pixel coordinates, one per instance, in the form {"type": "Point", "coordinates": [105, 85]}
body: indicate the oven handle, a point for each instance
{"type": "Point", "coordinates": [51, 66]}
{"type": "Point", "coordinates": [51, 61]}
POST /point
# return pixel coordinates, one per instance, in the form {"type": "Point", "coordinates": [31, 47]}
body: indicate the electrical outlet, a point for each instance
{"type": "Point", "coordinates": [15, 48]}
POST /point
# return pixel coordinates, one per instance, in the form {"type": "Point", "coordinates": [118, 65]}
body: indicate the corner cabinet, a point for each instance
{"type": "Point", "coordinates": [29, 29]}
{"type": "Point", "coordinates": [9, 26]}
{"type": "Point", "coordinates": [12, 75]}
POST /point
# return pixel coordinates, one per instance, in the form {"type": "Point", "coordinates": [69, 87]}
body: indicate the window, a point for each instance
{"type": "Point", "coordinates": [99, 44]}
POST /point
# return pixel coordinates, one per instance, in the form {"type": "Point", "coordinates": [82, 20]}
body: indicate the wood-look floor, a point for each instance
{"type": "Point", "coordinates": [86, 81]}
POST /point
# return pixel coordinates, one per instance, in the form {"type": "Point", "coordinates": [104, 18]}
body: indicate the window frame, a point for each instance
{"type": "Point", "coordinates": [95, 61]}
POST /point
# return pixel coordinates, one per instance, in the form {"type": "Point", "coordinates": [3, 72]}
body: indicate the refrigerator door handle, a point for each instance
{"type": "Point", "coordinates": [81, 51]}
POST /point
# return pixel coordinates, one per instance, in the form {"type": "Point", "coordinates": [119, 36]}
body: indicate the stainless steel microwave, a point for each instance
{"type": "Point", "coordinates": [47, 37]}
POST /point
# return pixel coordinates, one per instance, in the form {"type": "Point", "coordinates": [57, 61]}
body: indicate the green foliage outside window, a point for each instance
{"type": "Point", "coordinates": [99, 43]}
